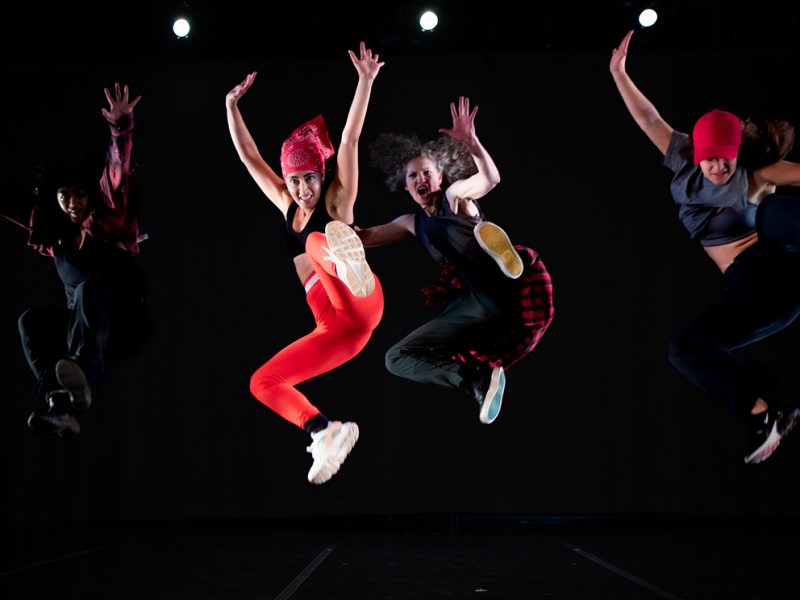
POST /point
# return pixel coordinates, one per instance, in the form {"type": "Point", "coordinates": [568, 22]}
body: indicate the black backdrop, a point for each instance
{"type": "Point", "coordinates": [595, 420]}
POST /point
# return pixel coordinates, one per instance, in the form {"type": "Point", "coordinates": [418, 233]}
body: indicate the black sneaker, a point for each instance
{"type": "Point", "coordinates": [769, 428]}
{"type": "Point", "coordinates": [71, 376]}
{"type": "Point", "coordinates": [58, 401]}
{"type": "Point", "coordinates": [50, 423]}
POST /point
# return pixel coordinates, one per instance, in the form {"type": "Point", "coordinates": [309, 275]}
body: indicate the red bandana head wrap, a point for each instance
{"type": "Point", "coordinates": [307, 148]}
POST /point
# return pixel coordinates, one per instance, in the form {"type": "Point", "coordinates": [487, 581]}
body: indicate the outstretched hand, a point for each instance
{"type": "Point", "coordinates": [619, 53]}
{"type": "Point", "coordinates": [463, 121]}
{"type": "Point", "coordinates": [232, 97]}
{"type": "Point", "coordinates": [367, 64]}
{"type": "Point", "coordinates": [118, 105]}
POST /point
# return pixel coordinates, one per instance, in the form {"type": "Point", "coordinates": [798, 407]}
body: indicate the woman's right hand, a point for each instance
{"type": "Point", "coordinates": [232, 98]}
{"type": "Point", "coordinates": [618, 54]}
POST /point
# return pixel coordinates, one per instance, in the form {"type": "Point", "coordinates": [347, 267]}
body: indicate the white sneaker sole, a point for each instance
{"type": "Point", "coordinates": [345, 441]}
{"type": "Point", "coordinates": [497, 244]}
{"type": "Point", "coordinates": [347, 253]}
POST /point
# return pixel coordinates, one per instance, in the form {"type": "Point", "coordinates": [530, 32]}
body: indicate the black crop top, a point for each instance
{"type": "Point", "coordinates": [296, 240]}
{"type": "Point", "coordinates": [729, 224]}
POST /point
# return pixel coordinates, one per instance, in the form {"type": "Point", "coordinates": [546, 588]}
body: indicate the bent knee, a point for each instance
{"type": "Point", "coordinates": [263, 381]}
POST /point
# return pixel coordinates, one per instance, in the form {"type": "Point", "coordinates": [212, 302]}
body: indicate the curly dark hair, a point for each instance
{"type": "Point", "coordinates": [765, 141]}
{"type": "Point", "coordinates": [391, 152]}
{"type": "Point", "coordinates": [82, 168]}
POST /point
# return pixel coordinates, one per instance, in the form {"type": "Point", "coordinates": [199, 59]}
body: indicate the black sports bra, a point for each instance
{"type": "Point", "coordinates": [296, 240]}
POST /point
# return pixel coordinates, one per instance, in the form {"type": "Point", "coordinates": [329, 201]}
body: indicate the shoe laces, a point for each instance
{"type": "Point", "coordinates": [319, 438]}
{"type": "Point", "coordinates": [331, 257]}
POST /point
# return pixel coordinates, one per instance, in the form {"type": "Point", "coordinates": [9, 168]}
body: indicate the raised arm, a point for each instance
{"type": "Point", "coordinates": [478, 185]}
{"type": "Point", "coordinates": [119, 116]}
{"type": "Point", "coordinates": [342, 193]}
{"type": "Point", "coordinates": [641, 109]}
{"type": "Point", "coordinates": [267, 180]}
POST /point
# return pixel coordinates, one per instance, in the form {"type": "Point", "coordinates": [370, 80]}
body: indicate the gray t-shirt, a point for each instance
{"type": "Point", "coordinates": [700, 200]}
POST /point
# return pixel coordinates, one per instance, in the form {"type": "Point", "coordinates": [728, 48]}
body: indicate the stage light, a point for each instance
{"type": "Point", "coordinates": [648, 17]}
{"type": "Point", "coordinates": [181, 28]}
{"type": "Point", "coordinates": [428, 21]}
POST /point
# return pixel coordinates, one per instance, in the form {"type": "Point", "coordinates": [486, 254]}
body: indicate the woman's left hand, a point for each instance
{"type": "Point", "coordinates": [367, 64]}
{"type": "Point", "coordinates": [463, 121]}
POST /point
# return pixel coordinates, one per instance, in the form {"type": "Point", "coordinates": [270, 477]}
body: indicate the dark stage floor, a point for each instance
{"type": "Point", "coordinates": [436, 556]}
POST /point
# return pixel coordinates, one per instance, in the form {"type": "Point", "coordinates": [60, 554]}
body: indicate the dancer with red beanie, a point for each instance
{"type": "Point", "coordinates": [344, 296]}
{"type": "Point", "coordinates": [725, 176]}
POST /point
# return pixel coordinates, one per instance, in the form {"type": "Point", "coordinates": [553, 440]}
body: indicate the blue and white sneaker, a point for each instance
{"type": "Point", "coordinates": [493, 398]}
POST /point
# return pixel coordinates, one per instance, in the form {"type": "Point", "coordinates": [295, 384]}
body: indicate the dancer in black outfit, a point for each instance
{"type": "Point", "coordinates": [89, 226]}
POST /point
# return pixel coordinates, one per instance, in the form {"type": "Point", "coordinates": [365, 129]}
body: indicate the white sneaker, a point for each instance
{"type": "Point", "coordinates": [771, 427]}
{"type": "Point", "coordinates": [347, 253]}
{"type": "Point", "coordinates": [329, 447]}
{"type": "Point", "coordinates": [497, 244]}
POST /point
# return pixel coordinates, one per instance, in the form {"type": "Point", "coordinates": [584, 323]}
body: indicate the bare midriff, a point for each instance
{"type": "Point", "coordinates": [303, 265]}
{"type": "Point", "coordinates": [725, 254]}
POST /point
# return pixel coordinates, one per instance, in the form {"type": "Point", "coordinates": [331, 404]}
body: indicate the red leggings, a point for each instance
{"type": "Point", "coordinates": [344, 325]}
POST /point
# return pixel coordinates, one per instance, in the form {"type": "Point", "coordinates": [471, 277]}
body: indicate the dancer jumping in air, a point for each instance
{"type": "Point", "coordinates": [724, 181]}
{"type": "Point", "coordinates": [344, 296]}
{"type": "Point", "coordinates": [90, 228]}
{"type": "Point", "coordinates": [493, 316]}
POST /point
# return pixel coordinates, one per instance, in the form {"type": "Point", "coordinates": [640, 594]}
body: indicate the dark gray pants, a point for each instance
{"type": "Point", "coordinates": [100, 323]}
{"type": "Point", "coordinates": [487, 306]}
{"type": "Point", "coordinates": [426, 355]}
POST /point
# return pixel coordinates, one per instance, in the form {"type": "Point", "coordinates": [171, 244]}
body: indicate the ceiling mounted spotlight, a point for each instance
{"type": "Point", "coordinates": [428, 20]}
{"type": "Point", "coordinates": [648, 17]}
{"type": "Point", "coordinates": [181, 28]}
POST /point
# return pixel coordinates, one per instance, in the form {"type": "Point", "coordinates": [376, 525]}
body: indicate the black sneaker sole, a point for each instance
{"type": "Point", "coordinates": [72, 377]}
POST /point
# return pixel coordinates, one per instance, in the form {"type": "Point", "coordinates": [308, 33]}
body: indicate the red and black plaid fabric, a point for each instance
{"type": "Point", "coordinates": [535, 315]}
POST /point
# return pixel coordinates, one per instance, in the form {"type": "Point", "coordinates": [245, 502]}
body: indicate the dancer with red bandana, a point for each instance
{"type": "Point", "coordinates": [725, 176]}
{"type": "Point", "coordinates": [344, 296]}
{"type": "Point", "coordinates": [493, 316]}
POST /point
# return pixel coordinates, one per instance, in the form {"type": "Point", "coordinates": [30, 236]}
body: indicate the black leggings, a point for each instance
{"type": "Point", "coordinates": [761, 296]}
